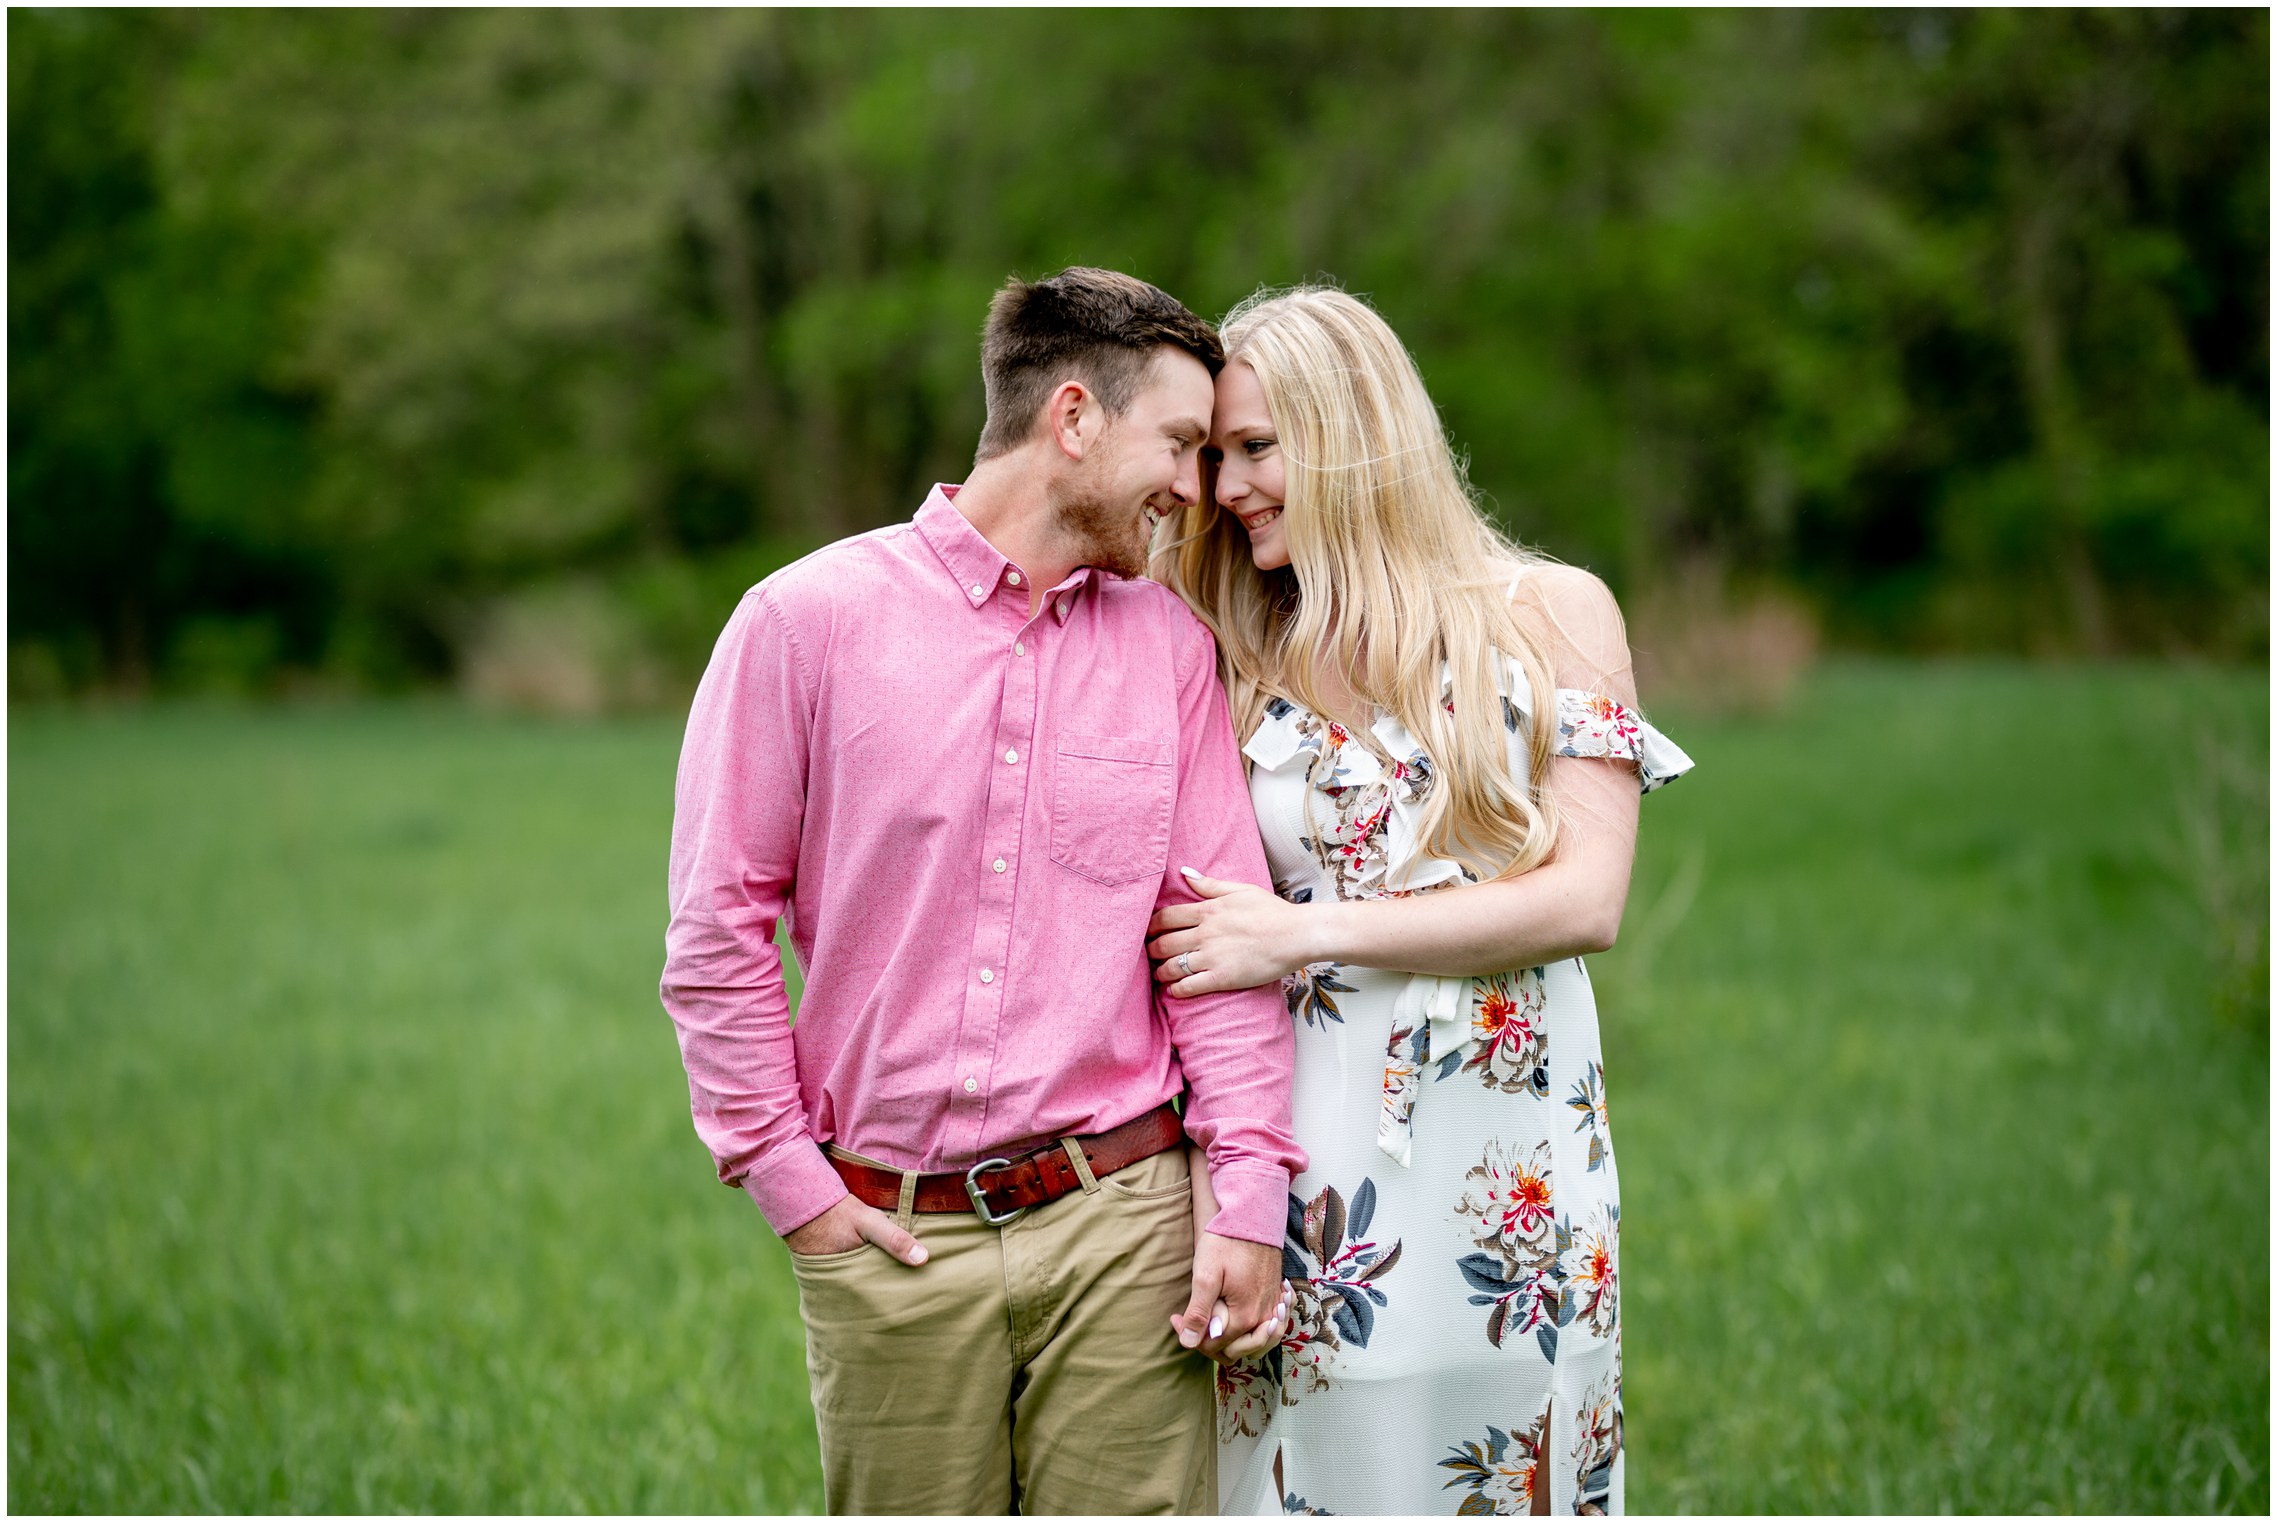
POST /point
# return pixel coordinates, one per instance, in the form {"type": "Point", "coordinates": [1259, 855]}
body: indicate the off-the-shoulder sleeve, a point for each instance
{"type": "Point", "coordinates": [1594, 726]}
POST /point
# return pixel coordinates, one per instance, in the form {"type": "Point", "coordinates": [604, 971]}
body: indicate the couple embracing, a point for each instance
{"type": "Point", "coordinates": [1114, 1179]}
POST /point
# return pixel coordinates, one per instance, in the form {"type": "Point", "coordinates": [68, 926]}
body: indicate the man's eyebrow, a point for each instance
{"type": "Point", "coordinates": [1198, 429]}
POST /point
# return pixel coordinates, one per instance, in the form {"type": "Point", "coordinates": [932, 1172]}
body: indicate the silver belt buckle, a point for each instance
{"type": "Point", "coordinates": [980, 1201]}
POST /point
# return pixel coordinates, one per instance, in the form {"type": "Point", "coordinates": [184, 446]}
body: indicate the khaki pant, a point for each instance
{"type": "Point", "coordinates": [1030, 1366]}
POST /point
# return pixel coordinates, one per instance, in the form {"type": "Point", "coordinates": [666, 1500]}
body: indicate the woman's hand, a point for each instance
{"type": "Point", "coordinates": [1237, 937]}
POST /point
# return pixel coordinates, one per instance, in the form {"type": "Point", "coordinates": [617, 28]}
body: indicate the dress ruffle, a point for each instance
{"type": "Point", "coordinates": [1437, 1018]}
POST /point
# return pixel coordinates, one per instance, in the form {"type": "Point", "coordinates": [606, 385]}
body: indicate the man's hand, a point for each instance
{"type": "Point", "coordinates": [850, 1224]}
{"type": "Point", "coordinates": [1238, 1291]}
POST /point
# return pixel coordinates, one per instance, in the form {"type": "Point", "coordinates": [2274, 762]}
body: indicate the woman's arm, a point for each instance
{"type": "Point", "coordinates": [1567, 907]}
{"type": "Point", "coordinates": [1240, 936]}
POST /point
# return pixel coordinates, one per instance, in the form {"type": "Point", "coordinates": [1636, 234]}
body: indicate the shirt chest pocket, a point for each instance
{"type": "Point", "coordinates": [1111, 800]}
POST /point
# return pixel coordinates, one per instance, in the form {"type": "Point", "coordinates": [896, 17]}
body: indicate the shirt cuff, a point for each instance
{"type": "Point", "coordinates": [1253, 1203]}
{"type": "Point", "coordinates": [793, 1187]}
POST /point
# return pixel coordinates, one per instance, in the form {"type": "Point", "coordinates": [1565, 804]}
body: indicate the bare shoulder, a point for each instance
{"type": "Point", "coordinates": [1549, 596]}
{"type": "Point", "coordinates": [1576, 621]}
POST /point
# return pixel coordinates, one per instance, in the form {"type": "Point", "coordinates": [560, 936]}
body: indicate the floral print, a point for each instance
{"type": "Point", "coordinates": [1331, 1265]}
{"type": "Point", "coordinates": [1509, 1034]}
{"type": "Point", "coordinates": [1404, 1058]}
{"type": "Point", "coordinates": [1505, 1473]}
{"type": "Point", "coordinates": [1588, 1097]}
{"type": "Point", "coordinates": [1311, 992]}
{"type": "Point", "coordinates": [1522, 1274]}
{"type": "Point", "coordinates": [1513, 1201]}
{"type": "Point", "coordinates": [1591, 724]}
{"type": "Point", "coordinates": [1456, 1237]}
{"type": "Point", "coordinates": [1323, 740]}
{"type": "Point", "coordinates": [1596, 1444]}
{"type": "Point", "coordinates": [1359, 795]}
{"type": "Point", "coordinates": [1538, 1271]}
{"type": "Point", "coordinates": [1592, 1266]}
{"type": "Point", "coordinates": [1594, 726]}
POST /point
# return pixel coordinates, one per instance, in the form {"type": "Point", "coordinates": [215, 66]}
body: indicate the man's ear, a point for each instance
{"type": "Point", "coordinates": [1074, 419]}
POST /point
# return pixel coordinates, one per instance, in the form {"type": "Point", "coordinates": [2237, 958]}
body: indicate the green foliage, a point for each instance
{"type": "Point", "coordinates": [1956, 323]}
{"type": "Point", "coordinates": [159, 453]}
{"type": "Point", "coordinates": [346, 1173]}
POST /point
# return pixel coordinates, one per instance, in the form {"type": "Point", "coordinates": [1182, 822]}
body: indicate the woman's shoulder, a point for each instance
{"type": "Point", "coordinates": [1546, 589]}
{"type": "Point", "coordinates": [1570, 619]}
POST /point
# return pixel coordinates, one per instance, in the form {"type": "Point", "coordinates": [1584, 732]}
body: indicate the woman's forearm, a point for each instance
{"type": "Point", "coordinates": [1550, 913]}
{"type": "Point", "coordinates": [1569, 906]}
{"type": "Point", "coordinates": [1238, 936]}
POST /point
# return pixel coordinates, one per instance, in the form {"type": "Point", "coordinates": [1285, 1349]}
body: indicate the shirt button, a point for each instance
{"type": "Point", "coordinates": [1019, 649]}
{"type": "Point", "coordinates": [1063, 608]}
{"type": "Point", "coordinates": [979, 591]}
{"type": "Point", "coordinates": [1011, 758]}
{"type": "Point", "coordinates": [987, 977]}
{"type": "Point", "coordinates": [998, 864]}
{"type": "Point", "coordinates": [972, 1086]}
{"type": "Point", "coordinates": [1013, 577]}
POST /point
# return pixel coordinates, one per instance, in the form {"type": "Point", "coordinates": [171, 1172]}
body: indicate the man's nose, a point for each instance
{"type": "Point", "coordinates": [1188, 487]}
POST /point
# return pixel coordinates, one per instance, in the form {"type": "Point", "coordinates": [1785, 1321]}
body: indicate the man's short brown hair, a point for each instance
{"type": "Point", "coordinates": [1095, 326]}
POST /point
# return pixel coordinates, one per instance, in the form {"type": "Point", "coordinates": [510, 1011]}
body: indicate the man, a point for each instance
{"type": "Point", "coordinates": [967, 756]}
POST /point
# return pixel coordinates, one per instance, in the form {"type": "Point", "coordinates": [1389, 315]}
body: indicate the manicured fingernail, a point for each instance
{"type": "Point", "coordinates": [1217, 1326]}
{"type": "Point", "coordinates": [1189, 872]}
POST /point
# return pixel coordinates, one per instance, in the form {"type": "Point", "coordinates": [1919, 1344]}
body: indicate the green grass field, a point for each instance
{"type": "Point", "coordinates": [350, 1168]}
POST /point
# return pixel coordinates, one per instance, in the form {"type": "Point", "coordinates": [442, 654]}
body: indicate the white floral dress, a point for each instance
{"type": "Point", "coordinates": [1454, 1248]}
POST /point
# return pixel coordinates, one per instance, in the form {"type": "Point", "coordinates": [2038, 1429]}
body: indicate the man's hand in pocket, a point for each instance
{"type": "Point", "coordinates": [850, 1224]}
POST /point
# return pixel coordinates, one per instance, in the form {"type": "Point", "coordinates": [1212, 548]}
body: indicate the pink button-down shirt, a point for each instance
{"type": "Point", "coordinates": [968, 816]}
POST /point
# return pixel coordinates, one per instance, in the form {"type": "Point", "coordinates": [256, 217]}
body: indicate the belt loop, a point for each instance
{"type": "Point", "coordinates": [1082, 1164]}
{"type": "Point", "coordinates": [905, 1215]}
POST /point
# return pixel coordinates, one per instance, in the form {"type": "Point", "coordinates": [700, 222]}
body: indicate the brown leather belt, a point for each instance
{"type": "Point", "coordinates": [999, 1189]}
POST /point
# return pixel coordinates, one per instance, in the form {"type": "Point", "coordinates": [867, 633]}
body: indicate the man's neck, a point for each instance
{"type": "Point", "coordinates": [1009, 504]}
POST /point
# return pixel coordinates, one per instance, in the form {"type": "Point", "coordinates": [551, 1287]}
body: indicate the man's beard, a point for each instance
{"type": "Point", "coordinates": [1111, 538]}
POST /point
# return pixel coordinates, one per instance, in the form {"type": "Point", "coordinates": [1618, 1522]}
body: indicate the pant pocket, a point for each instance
{"type": "Point", "coordinates": [1164, 1176]}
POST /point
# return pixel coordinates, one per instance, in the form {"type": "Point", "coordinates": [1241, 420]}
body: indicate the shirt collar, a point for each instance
{"type": "Point", "coordinates": [972, 560]}
{"type": "Point", "coordinates": [976, 564]}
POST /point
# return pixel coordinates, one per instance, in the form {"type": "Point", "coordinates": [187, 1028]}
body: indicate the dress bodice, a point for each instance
{"type": "Point", "coordinates": [1336, 819]}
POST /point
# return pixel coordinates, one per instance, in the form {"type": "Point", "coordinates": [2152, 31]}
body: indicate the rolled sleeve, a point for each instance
{"type": "Point", "coordinates": [1236, 1047]}
{"type": "Point", "coordinates": [738, 808]}
{"type": "Point", "coordinates": [792, 1186]}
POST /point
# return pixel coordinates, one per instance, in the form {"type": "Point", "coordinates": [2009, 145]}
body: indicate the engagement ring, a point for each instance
{"type": "Point", "coordinates": [1186, 963]}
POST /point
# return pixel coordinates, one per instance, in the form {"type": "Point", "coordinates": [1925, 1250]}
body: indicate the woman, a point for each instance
{"type": "Point", "coordinates": [1446, 762]}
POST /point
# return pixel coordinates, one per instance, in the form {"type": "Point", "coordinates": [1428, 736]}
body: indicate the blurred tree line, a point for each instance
{"type": "Point", "coordinates": [513, 344]}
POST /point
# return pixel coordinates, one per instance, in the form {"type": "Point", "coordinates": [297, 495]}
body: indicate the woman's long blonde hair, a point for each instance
{"type": "Point", "coordinates": [1393, 571]}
